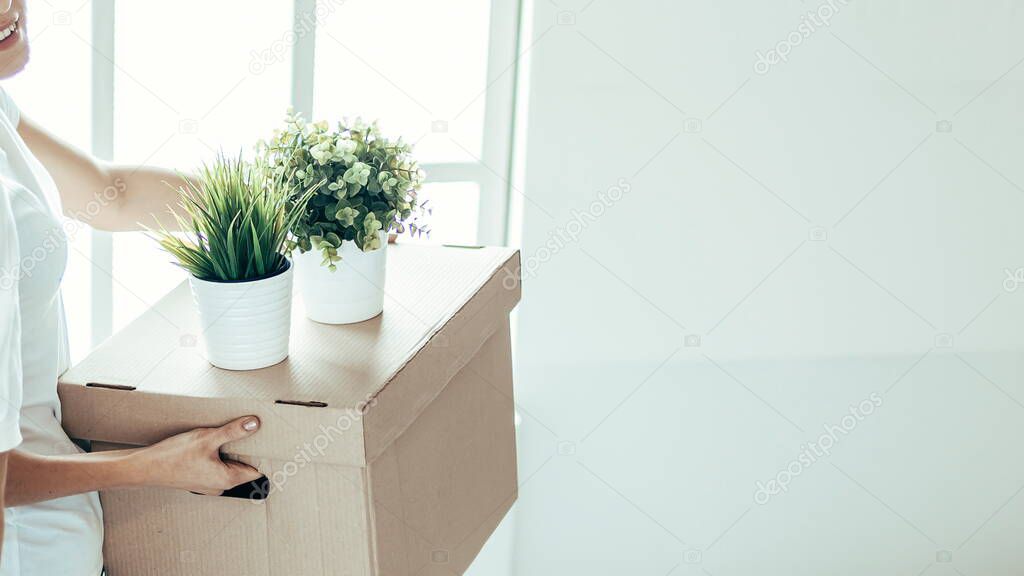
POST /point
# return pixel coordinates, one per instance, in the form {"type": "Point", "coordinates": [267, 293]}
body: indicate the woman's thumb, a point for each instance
{"type": "Point", "coordinates": [237, 429]}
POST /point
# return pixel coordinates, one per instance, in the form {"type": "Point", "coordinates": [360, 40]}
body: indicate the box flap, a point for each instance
{"type": "Point", "coordinates": [151, 380]}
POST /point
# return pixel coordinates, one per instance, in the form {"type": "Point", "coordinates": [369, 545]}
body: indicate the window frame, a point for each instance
{"type": "Point", "coordinates": [491, 171]}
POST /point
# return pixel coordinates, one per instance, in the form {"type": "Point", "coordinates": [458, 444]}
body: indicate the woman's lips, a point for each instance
{"type": "Point", "coordinates": [10, 33]}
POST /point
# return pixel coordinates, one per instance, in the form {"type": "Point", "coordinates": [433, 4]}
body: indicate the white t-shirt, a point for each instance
{"type": "Point", "coordinates": [10, 326]}
{"type": "Point", "coordinates": [62, 536]}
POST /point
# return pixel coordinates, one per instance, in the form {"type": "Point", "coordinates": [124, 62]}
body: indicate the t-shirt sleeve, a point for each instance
{"type": "Point", "coordinates": [10, 327]}
{"type": "Point", "coordinates": [9, 108]}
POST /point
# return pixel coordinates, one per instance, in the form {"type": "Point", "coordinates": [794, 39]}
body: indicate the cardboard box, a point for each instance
{"type": "Point", "coordinates": [388, 445]}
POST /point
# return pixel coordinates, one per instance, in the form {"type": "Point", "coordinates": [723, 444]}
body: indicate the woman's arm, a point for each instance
{"type": "Point", "coordinates": [188, 461]}
{"type": "Point", "coordinates": [104, 196]}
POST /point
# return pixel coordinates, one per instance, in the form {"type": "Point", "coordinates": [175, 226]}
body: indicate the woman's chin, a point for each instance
{"type": "Point", "coordinates": [13, 62]}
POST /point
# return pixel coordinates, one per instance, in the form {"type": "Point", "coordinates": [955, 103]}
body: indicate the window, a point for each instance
{"type": "Point", "coordinates": [172, 83]}
{"type": "Point", "coordinates": [426, 86]}
{"type": "Point", "coordinates": [178, 103]}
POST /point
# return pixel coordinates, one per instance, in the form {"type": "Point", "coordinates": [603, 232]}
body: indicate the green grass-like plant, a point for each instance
{"type": "Point", "coordinates": [236, 219]}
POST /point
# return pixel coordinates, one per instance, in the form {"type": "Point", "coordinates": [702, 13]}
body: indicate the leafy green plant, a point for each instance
{"type": "Point", "coordinates": [236, 219]}
{"type": "Point", "coordinates": [372, 183]}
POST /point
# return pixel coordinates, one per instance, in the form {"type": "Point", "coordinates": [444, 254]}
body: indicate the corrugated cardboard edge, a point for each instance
{"type": "Point", "coordinates": [415, 502]}
{"type": "Point", "coordinates": [142, 418]}
{"type": "Point", "coordinates": [295, 532]}
{"type": "Point", "coordinates": [446, 351]}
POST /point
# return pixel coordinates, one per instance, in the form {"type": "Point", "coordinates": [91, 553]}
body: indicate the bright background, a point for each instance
{"type": "Point", "coordinates": [790, 243]}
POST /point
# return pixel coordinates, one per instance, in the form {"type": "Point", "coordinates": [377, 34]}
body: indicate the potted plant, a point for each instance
{"type": "Point", "coordinates": [342, 235]}
{"type": "Point", "coordinates": [235, 220]}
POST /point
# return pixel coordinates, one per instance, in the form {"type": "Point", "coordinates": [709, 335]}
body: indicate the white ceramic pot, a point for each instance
{"type": "Point", "coordinates": [352, 293]}
{"type": "Point", "coordinates": [245, 325]}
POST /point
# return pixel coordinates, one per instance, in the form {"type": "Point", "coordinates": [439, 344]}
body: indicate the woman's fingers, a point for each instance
{"type": "Point", "coordinates": [241, 473]}
{"type": "Point", "coordinates": [192, 460]}
{"type": "Point", "coordinates": [235, 430]}
{"type": "Point", "coordinates": [238, 473]}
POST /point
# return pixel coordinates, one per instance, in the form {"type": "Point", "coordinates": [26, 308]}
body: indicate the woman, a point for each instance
{"type": "Point", "coordinates": [53, 521]}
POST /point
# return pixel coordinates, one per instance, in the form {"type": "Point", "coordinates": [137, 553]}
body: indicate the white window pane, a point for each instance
{"type": "Point", "coordinates": [143, 273]}
{"type": "Point", "coordinates": [54, 88]}
{"type": "Point", "coordinates": [453, 218]}
{"type": "Point", "coordinates": [419, 67]}
{"type": "Point", "coordinates": [54, 91]}
{"type": "Point", "coordinates": [194, 77]}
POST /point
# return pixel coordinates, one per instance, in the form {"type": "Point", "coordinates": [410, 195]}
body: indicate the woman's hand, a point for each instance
{"type": "Point", "coordinates": [191, 460]}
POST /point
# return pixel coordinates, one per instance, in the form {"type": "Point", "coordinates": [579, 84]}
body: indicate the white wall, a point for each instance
{"type": "Point", "coordinates": [821, 233]}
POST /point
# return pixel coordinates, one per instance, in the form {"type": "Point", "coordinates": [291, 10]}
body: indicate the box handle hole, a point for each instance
{"type": "Point", "coordinates": [110, 386]}
{"type": "Point", "coordinates": [257, 489]}
{"type": "Point", "coordinates": [306, 403]}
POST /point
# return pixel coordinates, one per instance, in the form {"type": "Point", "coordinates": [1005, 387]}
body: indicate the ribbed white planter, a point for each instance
{"type": "Point", "coordinates": [245, 325]}
{"type": "Point", "coordinates": [352, 293]}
